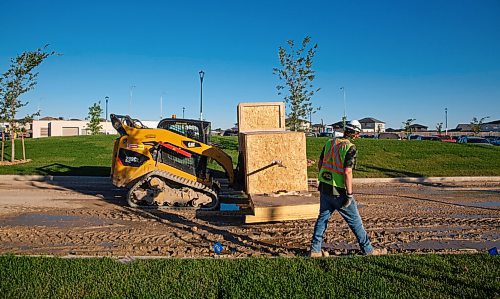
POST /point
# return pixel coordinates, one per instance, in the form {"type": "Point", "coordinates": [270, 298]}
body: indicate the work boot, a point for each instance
{"type": "Point", "coordinates": [378, 251]}
{"type": "Point", "coordinates": [322, 253]}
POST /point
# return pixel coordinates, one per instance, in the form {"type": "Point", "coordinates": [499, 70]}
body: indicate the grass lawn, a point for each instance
{"type": "Point", "coordinates": [91, 155]}
{"type": "Point", "coordinates": [410, 276]}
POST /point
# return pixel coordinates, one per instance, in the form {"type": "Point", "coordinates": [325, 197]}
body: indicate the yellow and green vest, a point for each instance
{"type": "Point", "coordinates": [332, 167]}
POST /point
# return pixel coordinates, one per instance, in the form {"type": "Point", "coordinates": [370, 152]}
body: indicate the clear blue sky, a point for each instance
{"type": "Point", "coordinates": [396, 59]}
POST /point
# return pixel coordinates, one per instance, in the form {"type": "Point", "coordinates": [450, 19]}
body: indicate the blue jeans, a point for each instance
{"type": "Point", "coordinates": [327, 205]}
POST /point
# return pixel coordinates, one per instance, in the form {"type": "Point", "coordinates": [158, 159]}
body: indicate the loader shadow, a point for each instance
{"type": "Point", "coordinates": [58, 169]}
{"type": "Point", "coordinates": [392, 173]}
{"type": "Point", "coordinates": [204, 224]}
{"type": "Point", "coordinates": [200, 229]}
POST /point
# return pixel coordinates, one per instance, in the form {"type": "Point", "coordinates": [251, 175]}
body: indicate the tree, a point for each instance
{"type": "Point", "coordinates": [94, 118]}
{"type": "Point", "coordinates": [439, 128]}
{"type": "Point", "coordinates": [296, 74]}
{"type": "Point", "coordinates": [19, 79]}
{"type": "Point", "coordinates": [477, 123]}
{"type": "Point", "coordinates": [407, 126]}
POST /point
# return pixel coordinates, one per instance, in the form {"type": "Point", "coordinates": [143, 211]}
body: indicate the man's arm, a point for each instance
{"type": "Point", "coordinates": [348, 180]}
{"type": "Point", "coordinates": [349, 164]}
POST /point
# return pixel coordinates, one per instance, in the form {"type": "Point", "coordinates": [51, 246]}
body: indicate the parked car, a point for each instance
{"type": "Point", "coordinates": [230, 133]}
{"type": "Point", "coordinates": [495, 140]}
{"type": "Point", "coordinates": [478, 140]}
{"type": "Point", "coordinates": [325, 134]}
{"type": "Point", "coordinates": [311, 134]}
{"type": "Point", "coordinates": [414, 137]}
{"type": "Point", "coordinates": [446, 138]}
{"type": "Point", "coordinates": [367, 136]}
{"type": "Point", "coordinates": [430, 138]}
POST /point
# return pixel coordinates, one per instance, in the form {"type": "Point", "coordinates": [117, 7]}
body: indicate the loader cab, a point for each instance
{"type": "Point", "coordinates": [195, 129]}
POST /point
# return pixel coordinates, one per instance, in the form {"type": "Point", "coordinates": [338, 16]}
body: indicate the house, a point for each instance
{"type": "Point", "coordinates": [372, 125]}
{"type": "Point", "coordinates": [492, 126]}
{"type": "Point", "coordinates": [48, 127]}
{"type": "Point", "coordinates": [418, 128]}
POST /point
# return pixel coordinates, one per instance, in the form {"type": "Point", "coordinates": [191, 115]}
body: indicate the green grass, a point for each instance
{"type": "Point", "coordinates": [91, 155]}
{"type": "Point", "coordinates": [410, 276]}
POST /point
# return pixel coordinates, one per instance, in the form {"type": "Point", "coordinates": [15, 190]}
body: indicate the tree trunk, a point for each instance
{"type": "Point", "coordinates": [3, 145]}
{"type": "Point", "coordinates": [12, 151]}
{"type": "Point", "coordinates": [24, 149]}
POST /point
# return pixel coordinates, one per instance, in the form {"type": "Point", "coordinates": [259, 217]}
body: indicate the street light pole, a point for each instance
{"type": "Point", "coordinates": [161, 105]}
{"type": "Point", "coordinates": [183, 108]}
{"type": "Point", "coordinates": [202, 74]}
{"type": "Point", "coordinates": [130, 101]}
{"type": "Point", "coordinates": [106, 98]}
{"type": "Point", "coordinates": [343, 118]}
{"type": "Point", "coordinates": [446, 120]}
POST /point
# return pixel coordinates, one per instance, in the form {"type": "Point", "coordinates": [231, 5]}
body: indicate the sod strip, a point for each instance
{"type": "Point", "coordinates": [401, 276]}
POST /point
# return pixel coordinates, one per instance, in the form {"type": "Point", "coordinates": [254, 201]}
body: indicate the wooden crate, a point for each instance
{"type": "Point", "coordinates": [261, 149]}
{"type": "Point", "coordinates": [261, 116]}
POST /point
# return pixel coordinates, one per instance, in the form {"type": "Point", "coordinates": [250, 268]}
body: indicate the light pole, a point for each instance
{"type": "Point", "coordinates": [183, 108]}
{"type": "Point", "coordinates": [161, 105]}
{"type": "Point", "coordinates": [344, 117]}
{"type": "Point", "coordinates": [446, 120]}
{"type": "Point", "coordinates": [106, 98]}
{"type": "Point", "coordinates": [202, 74]}
{"type": "Point", "coordinates": [130, 101]}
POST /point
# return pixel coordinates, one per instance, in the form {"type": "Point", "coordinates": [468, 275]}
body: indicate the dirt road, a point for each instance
{"type": "Point", "coordinates": [88, 217]}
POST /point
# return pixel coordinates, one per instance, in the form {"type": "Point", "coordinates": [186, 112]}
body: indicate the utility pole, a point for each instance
{"type": "Point", "coordinates": [106, 98]}
{"type": "Point", "coordinates": [446, 120]}
{"type": "Point", "coordinates": [202, 75]}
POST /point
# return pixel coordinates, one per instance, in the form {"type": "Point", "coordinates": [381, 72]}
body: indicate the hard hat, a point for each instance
{"type": "Point", "coordinates": [353, 125]}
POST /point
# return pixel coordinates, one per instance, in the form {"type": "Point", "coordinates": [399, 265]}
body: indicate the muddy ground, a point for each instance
{"type": "Point", "coordinates": [89, 217]}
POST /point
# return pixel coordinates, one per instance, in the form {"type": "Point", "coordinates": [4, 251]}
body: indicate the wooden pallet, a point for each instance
{"type": "Point", "coordinates": [287, 207]}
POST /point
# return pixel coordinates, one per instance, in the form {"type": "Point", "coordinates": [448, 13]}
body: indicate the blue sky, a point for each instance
{"type": "Point", "coordinates": [396, 59]}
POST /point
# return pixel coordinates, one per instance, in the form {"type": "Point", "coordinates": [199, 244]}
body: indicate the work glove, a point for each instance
{"type": "Point", "coordinates": [348, 200]}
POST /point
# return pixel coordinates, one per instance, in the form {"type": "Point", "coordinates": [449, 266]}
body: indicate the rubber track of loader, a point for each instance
{"type": "Point", "coordinates": [197, 187]}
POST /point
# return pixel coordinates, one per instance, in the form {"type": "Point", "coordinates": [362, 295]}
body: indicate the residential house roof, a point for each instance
{"type": "Point", "coordinates": [419, 126]}
{"type": "Point", "coordinates": [370, 120]}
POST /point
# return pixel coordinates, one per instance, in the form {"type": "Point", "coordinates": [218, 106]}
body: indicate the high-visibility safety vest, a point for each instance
{"type": "Point", "coordinates": [332, 167]}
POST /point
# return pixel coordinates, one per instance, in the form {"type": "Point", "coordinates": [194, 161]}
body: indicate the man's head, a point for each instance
{"type": "Point", "coordinates": [352, 129]}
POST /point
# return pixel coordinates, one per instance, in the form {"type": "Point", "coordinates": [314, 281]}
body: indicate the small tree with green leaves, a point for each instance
{"type": "Point", "coordinates": [407, 126]}
{"type": "Point", "coordinates": [94, 118]}
{"type": "Point", "coordinates": [439, 128]}
{"type": "Point", "coordinates": [296, 74]}
{"type": "Point", "coordinates": [476, 124]}
{"type": "Point", "coordinates": [16, 81]}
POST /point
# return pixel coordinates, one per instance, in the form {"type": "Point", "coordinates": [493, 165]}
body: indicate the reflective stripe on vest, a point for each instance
{"type": "Point", "coordinates": [332, 167]}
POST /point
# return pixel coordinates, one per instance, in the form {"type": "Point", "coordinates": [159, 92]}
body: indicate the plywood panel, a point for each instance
{"type": "Point", "coordinates": [267, 209]}
{"type": "Point", "coordinates": [274, 161]}
{"type": "Point", "coordinates": [261, 116]}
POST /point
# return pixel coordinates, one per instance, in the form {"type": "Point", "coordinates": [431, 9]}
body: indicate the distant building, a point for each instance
{"type": "Point", "coordinates": [48, 127]}
{"type": "Point", "coordinates": [492, 126]}
{"type": "Point", "coordinates": [372, 125]}
{"type": "Point", "coordinates": [418, 128]}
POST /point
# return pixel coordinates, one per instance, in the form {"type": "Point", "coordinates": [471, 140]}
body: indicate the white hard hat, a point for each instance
{"type": "Point", "coordinates": [353, 125]}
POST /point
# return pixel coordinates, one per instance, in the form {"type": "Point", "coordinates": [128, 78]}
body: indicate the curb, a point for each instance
{"type": "Point", "coordinates": [92, 179]}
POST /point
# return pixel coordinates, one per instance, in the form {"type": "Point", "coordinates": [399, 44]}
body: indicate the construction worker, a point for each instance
{"type": "Point", "coordinates": [336, 163]}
